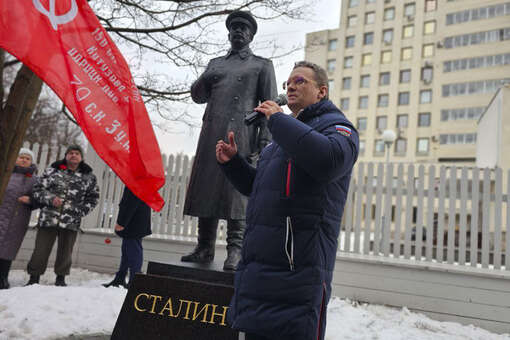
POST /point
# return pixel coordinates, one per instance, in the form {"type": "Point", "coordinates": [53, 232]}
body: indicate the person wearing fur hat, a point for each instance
{"type": "Point", "coordinates": [66, 192]}
{"type": "Point", "coordinates": [15, 211]}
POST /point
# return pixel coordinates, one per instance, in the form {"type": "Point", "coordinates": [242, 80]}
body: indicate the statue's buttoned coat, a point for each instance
{"type": "Point", "coordinates": [232, 86]}
{"type": "Point", "coordinates": [14, 215]}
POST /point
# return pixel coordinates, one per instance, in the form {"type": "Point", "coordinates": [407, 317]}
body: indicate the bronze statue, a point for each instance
{"type": "Point", "coordinates": [232, 86]}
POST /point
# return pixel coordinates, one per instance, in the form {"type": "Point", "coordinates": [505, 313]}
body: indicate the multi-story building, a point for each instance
{"type": "Point", "coordinates": [426, 69]}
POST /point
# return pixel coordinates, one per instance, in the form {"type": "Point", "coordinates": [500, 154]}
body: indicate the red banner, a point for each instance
{"type": "Point", "coordinates": [64, 43]}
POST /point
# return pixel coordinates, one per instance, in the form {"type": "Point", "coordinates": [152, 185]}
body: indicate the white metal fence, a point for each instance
{"type": "Point", "coordinates": [431, 213]}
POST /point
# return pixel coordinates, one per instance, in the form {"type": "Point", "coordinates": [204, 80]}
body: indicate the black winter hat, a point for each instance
{"type": "Point", "coordinates": [74, 147]}
{"type": "Point", "coordinates": [242, 16]}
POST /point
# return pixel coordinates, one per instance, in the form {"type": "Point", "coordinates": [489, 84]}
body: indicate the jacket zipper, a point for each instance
{"type": "Point", "coordinates": [287, 184]}
{"type": "Point", "coordinates": [289, 237]}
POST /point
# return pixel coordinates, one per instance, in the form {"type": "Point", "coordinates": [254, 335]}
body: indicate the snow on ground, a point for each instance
{"type": "Point", "coordinates": [44, 312]}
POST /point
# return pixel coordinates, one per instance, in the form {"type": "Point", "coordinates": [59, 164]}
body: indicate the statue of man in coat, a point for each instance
{"type": "Point", "coordinates": [232, 86]}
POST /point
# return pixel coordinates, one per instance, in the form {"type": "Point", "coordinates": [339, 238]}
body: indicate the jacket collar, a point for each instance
{"type": "Point", "coordinates": [243, 53]}
{"type": "Point", "coordinates": [84, 168]}
{"type": "Point", "coordinates": [316, 110]}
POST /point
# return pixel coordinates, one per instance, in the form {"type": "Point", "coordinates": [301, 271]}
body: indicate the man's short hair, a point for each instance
{"type": "Point", "coordinates": [320, 75]}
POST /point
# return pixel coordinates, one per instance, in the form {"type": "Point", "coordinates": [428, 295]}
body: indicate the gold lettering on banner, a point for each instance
{"type": "Point", "coordinates": [136, 302]}
{"type": "Point", "coordinates": [156, 298]}
{"type": "Point", "coordinates": [223, 315]}
{"type": "Point", "coordinates": [186, 317]}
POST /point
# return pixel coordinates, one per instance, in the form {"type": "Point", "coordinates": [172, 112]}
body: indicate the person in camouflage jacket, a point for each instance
{"type": "Point", "coordinates": [66, 192]}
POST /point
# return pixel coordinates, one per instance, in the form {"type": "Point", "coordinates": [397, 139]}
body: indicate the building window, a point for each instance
{"type": "Point", "coordinates": [362, 146]}
{"type": "Point", "coordinates": [407, 53]}
{"type": "Point", "coordinates": [332, 44]}
{"type": "Point", "coordinates": [402, 121]}
{"type": "Point", "coordinates": [348, 62]}
{"type": "Point", "coordinates": [425, 96]}
{"type": "Point", "coordinates": [409, 10]}
{"type": "Point", "coordinates": [408, 31]}
{"type": "Point", "coordinates": [427, 73]}
{"type": "Point", "coordinates": [363, 102]}
{"type": "Point", "coordinates": [389, 14]}
{"type": "Point", "coordinates": [388, 36]}
{"type": "Point", "coordinates": [424, 119]}
{"type": "Point", "coordinates": [428, 50]}
{"type": "Point", "coordinates": [369, 18]}
{"type": "Point", "coordinates": [382, 100]}
{"type": "Point", "coordinates": [331, 85]}
{"type": "Point", "coordinates": [379, 147]}
{"type": "Point", "coordinates": [481, 86]}
{"type": "Point", "coordinates": [430, 5]}
{"type": "Point", "coordinates": [362, 124]}
{"type": "Point", "coordinates": [331, 65]}
{"type": "Point", "coordinates": [405, 76]}
{"type": "Point", "coordinates": [353, 3]}
{"type": "Point", "coordinates": [366, 59]}
{"type": "Point", "coordinates": [381, 122]}
{"type": "Point", "coordinates": [352, 20]}
{"type": "Point", "coordinates": [477, 62]}
{"type": "Point", "coordinates": [344, 103]}
{"type": "Point", "coordinates": [403, 98]}
{"type": "Point", "coordinates": [479, 13]}
{"type": "Point", "coordinates": [368, 38]}
{"type": "Point", "coordinates": [364, 80]}
{"type": "Point", "coordinates": [462, 113]}
{"type": "Point", "coordinates": [349, 41]}
{"type": "Point", "coordinates": [476, 38]}
{"type": "Point", "coordinates": [429, 27]}
{"type": "Point", "coordinates": [384, 78]}
{"type": "Point", "coordinates": [460, 138]}
{"type": "Point", "coordinates": [386, 57]}
{"type": "Point", "coordinates": [371, 1]}
{"type": "Point", "coordinates": [346, 83]}
{"type": "Point", "coordinates": [422, 146]}
{"type": "Point", "coordinates": [400, 146]}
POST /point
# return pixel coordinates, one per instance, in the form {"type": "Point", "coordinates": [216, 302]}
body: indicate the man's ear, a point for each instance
{"type": "Point", "coordinates": [323, 92]}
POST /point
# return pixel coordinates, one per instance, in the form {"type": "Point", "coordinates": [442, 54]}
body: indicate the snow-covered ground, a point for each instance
{"type": "Point", "coordinates": [44, 311]}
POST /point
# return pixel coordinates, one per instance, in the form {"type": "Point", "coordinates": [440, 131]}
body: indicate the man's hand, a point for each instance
{"type": "Point", "coordinates": [225, 151]}
{"type": "Point", "coordinates": [57, 202]}
{"type": "Point", "coordinates": [118, 227]}
{"type": "Point", "coordinates": [268, 108]}
{"type": "Point", "coordinates": [24, 199]}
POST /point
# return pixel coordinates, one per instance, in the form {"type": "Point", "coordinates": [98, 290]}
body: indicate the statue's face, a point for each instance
{"type": "Point", "coordinates": [240, 35]}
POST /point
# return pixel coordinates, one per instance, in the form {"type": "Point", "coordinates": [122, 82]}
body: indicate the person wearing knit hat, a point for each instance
{"type": "Point", "coordinates": [26, 151]}
{"type": "Point", "coordinates": [15, 210]}
{"type": "Point", "coordinates": [66, 192]}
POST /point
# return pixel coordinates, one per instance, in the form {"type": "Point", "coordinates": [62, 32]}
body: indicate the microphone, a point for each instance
{"type": "Point", "coordinates": [255, 115]}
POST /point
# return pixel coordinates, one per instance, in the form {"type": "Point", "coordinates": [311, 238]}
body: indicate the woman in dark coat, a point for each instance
{"type": "Point", "coordinates": [15, 211]}
{"type": "Point", "coordinates": [133, 224]}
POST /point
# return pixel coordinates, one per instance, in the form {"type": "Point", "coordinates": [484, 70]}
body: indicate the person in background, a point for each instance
{"type": "Point", "coordinates": [66, 192]}
{"type": "Point", "coordinates": [232, 85]}
{"type": "Point", "coordinates": [15, 211]}
{"type": "Point", "coordinates": [296, 199]}
{"type": "Point", "coordinates": [133, 224]}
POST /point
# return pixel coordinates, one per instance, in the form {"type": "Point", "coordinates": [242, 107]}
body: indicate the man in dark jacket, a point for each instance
{"type": "Point", "coordinates": [232, 85]}
{"type": "Point", "coordinates": [296, 199]}
{"type": "Point", "coordinates": [66, 192]}
{"type": "Point", "coordinates": [133, 224]}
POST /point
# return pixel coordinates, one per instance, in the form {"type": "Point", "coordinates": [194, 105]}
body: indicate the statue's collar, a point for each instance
{"type": "Point", "coordinates": [243, 53]}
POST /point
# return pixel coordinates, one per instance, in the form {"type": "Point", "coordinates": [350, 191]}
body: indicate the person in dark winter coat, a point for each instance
{"type": "Point", "coordinates": [232, 85]}
{"type": "Point", "coordinates": [15, 211]}
{"type": "Point", "coordinates": [296, 199]}
{"type": "Point", "coordinates": [133, 224]}
{"type": "Point", "coordinates": [66, 192]}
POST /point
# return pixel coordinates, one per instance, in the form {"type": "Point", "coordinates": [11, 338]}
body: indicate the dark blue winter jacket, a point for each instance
{"type": "Point", "coordinates": [296, 199]}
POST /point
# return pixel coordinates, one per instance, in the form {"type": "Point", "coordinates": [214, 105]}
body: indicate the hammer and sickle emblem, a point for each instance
{"type": "Point", "coordinates": [56, 20]}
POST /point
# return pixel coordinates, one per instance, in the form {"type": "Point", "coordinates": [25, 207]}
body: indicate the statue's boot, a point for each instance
{"type": "Point", "coordinates": [235, 236]}
{"type": "Point", "coordinates": [204, 250]}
